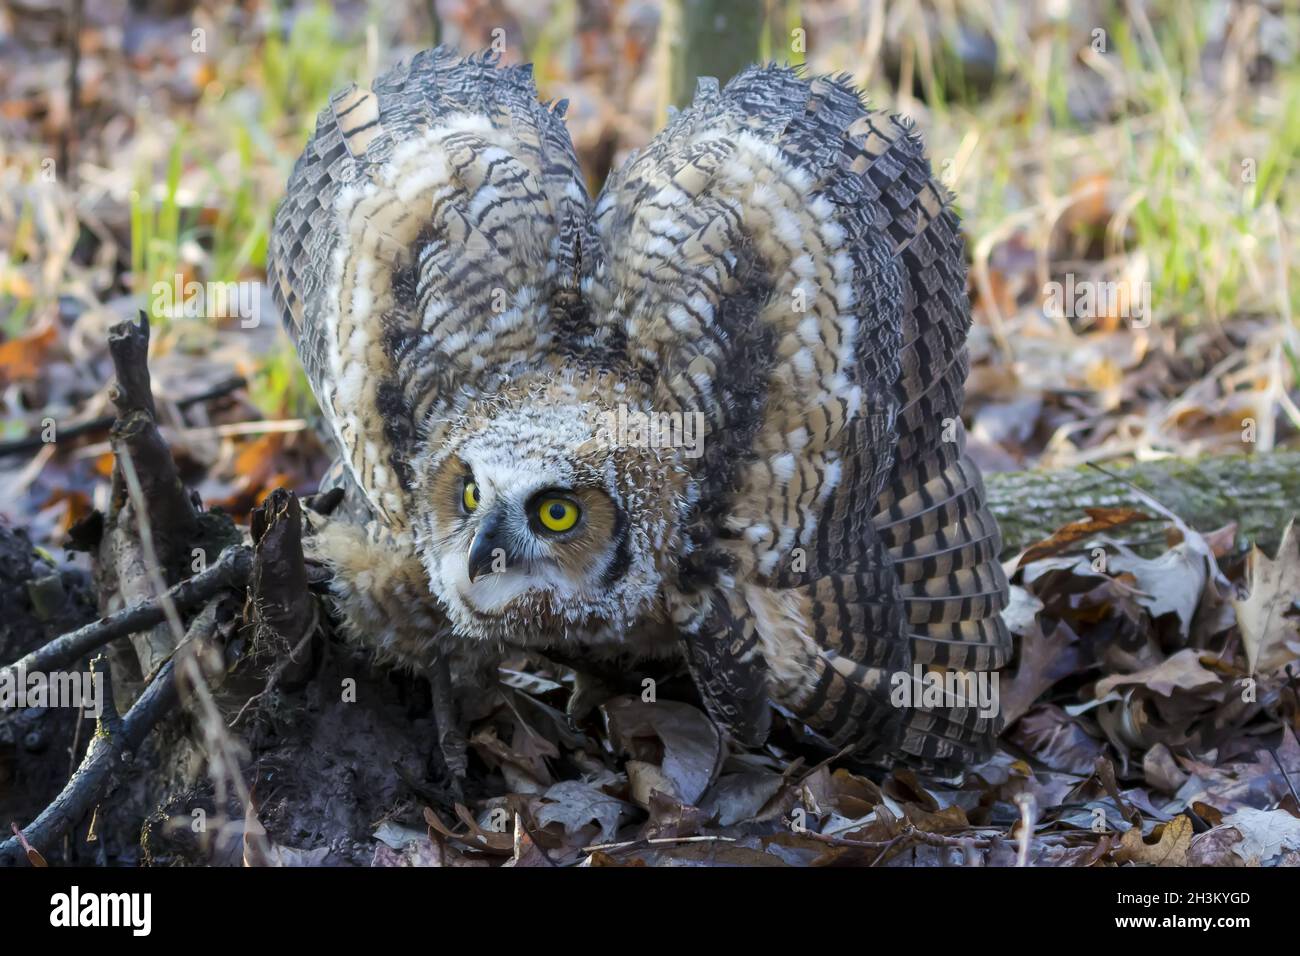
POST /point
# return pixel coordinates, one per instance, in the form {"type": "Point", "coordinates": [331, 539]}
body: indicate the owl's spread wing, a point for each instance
{"type": "Point", "coordinates": [780, 260]}
{"type": "Point", "coordinates": [430, 231]}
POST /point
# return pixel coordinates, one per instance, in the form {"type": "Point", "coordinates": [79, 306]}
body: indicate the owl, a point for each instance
{"type": "Point", "coordinates": [712, 416]}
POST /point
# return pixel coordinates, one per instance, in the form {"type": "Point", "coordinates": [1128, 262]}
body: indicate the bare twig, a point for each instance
{"type": "Point", "coordinates": [231, 570]}
{"type": "Point", "coordinates": [656, 841]}
{"type": "Point", "coordinates": [884, 851]}
{"type": "Point", "coordinates": [909, 833]}
{"type": "Point", "coordinates": [95, 775]}
{"type": "Point", "coordinates": [1028, 820]}
{"type": "Point", "coordinates": [75, 430]}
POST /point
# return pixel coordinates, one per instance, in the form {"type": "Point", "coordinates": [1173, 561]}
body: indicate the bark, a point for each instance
{"type": "Point", "coordinates": [172, 516]}
{"type": "Point", "coordinates": [280, 607]}
{"type": "Point", "coordinates": [1258, 492]}
{"type": "Point", "coordinates": [279, 598]}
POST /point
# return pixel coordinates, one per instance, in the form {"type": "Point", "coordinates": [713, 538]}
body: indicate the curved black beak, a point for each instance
{"type": "Point", "coordinates": [489, 542]}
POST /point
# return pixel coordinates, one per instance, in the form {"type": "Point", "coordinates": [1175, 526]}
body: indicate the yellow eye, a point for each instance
{"type": "Point", "coordinates": [556, 514]}
{"type": "Point", "coordinates": [469, 497]}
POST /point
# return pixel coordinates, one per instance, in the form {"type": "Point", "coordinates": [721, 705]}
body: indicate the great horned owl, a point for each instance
{"type": "Point", "coordinates": [778, 266]}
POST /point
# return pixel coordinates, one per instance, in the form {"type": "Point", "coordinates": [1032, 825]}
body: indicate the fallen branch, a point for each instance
{"type": "Point", "coordinates": [231, 570]}
{"type": "Point", "coordinates": [105, 754]}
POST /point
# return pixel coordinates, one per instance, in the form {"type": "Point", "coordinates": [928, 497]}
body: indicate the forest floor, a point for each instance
{"type": "Point", "coordinates": [1131, 201]}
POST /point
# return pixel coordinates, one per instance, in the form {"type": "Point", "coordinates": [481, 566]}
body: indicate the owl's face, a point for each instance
{"type": "Point", "coordinates": [526, 529]}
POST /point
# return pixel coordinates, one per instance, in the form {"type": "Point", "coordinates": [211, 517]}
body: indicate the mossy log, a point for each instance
{"type": "Point", "coordinates": [1259, 492]}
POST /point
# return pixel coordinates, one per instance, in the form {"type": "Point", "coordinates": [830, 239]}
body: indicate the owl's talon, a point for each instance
{"type": "Point", "coordinates": [453, 747]}
{"type": "Point", "coordinates": [588, 693]}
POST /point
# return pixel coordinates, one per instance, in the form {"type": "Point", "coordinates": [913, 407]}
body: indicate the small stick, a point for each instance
{"type": "Point", "coordinates": [77, 429]}
{"type": "Point", "coordinates": [230, 570]}
{"type": "Point", "coordinates": [909, 832]}
{"type": "Point", "coordinates": [1028, 820]}
{"type": "Point", "coordinates": [103, 757]}
{"type": "Point", "coordinates": [657, 841]}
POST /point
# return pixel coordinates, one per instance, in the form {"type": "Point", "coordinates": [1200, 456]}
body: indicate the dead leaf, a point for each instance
{"type": "Point", "coordinates": [496, 840]}
{"type": "Point", "coordinates": [1266, 629]}
{"type": "Point", "coordinates": [645, 779]}
{"type": "Point", "coordinates": [397, 836]}
{"type": "Point", "coordinates": [1182, 670]}
{"type": "Point", "coordinates": [1056, 740]}
{"type": "Point", "coordinates": [855, 796]}
{"type": "Point", "coordinates": [526, 853]}
{"type": "Point", "coordinates": [690, 742]}
{"type": "Point", "coordinates": [523, 762]}
{"type": "Point", "coordinates": [406, 846]}
{"type": "Point", "coordinates": [1021, 611]}
{"type": "Point", "coordinates": [669, 818]}
{"type": "Point", "coordinates": [22, 358]}
{"type": "Point", "coordinates": [1215, 847]}
{"type": "Point", "coordinates": [1265, 834]}
{"type": "Point", "coordinates": [1161, 771]}
{"type": "Point", "coordinates": [1170, 848]}
{"type": "Point", "coordinates": [712, 853]}
{"type": "Point", "coordinates": [1098, 520]}
{"type": "Point", "coordinates": [950, 818]}
{"type": "Point", "coordinates": [1044, 660]}
{"type": "Point", "coordinates": [1169, 584]}
{"type": "Point", "coordinates": [740, 796]}
{"type": "Point", "coordinates": [601, 858]}
{"type": "Point", "coordinates": [575, 804]}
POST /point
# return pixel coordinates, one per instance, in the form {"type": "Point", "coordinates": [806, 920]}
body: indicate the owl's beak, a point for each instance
{"type": "Point", "coordinates": [483, 551]}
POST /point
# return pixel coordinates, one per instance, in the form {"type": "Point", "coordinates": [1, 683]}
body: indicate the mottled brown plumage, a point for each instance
{"type": "Point", "coordinates": [778, 265]}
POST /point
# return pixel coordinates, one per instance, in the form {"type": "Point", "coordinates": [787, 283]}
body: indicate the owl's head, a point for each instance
{"type": "Point", "coordinates": [532, 524]}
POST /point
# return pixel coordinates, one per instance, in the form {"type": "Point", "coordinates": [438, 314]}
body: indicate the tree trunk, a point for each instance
{"type": "Point", "coordinates": [717, 38]}
{"type": "Point", "coordinates": [1259, 492]}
